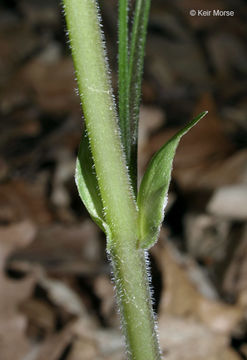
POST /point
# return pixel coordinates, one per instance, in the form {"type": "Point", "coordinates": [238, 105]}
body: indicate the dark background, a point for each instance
{"type": "Point", "coordinates": [57, 299]}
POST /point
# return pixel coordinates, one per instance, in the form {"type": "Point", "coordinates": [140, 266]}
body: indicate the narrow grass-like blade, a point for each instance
{"type": "Point", "coordinates": [152, 196]}
{"type": "Point", "coordinates": [123, 64]}
{"type": "Point", "coordinates": [87, 184]}
{"type": "Point", "coordinates": [136, 61]}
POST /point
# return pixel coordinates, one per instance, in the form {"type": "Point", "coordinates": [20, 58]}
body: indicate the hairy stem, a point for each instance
{"type": "Point", "coordinates": [117, 195]}
{"type": "Point", "coordinates": [133, 295]}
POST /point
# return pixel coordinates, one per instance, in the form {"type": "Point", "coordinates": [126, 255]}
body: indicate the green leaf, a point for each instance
{"type": "Point", "coordinates": [123, 65]}
{"type": "Point", "coordinates": [130, 70]}
{"type": "Point", "coordinates": [87, 184]}
{"type": "Point", "coordinates": [152, 196]}
{"type": "Point", "coordinates": [136, 63]}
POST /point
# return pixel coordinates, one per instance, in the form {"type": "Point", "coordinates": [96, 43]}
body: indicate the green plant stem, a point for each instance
{"type": "Point", "coordinates": [117, 195]}
{"type": "Point", "coordinates": [133, 295]}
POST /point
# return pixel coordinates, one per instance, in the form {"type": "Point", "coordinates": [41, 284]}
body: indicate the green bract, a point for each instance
{"type": "Point", "coordinates": [152, 196]}
{"type": "Point", "coordinates": [87, 183]}
{"type": "Point", "coordinates": [88, 187]}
